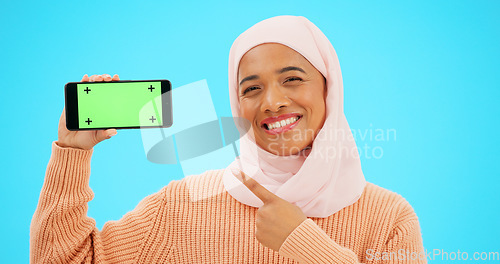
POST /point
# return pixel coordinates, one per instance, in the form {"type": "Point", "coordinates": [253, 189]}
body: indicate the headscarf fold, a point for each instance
{"type": "Point", "coordinates": [323, 179]}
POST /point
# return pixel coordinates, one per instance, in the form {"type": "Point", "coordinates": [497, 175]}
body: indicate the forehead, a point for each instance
{"type": "Point", "coordinates": [270, 55]}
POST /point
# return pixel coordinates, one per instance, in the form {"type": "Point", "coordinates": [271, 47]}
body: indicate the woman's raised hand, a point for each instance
{"type": "Point", "coordinates": [89, 138]}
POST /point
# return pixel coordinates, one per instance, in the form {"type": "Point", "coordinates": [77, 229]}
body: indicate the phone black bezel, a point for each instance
{"type": "Point", "coordinates": [71, 105]}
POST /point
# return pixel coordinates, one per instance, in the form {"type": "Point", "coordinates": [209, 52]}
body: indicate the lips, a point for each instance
{"type": "Point", "coordinates": [269, 124]}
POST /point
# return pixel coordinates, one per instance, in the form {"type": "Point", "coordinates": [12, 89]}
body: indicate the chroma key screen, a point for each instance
{"type": "Point", "coordinates": [126, 104]}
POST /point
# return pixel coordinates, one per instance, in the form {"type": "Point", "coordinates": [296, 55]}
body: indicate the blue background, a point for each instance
{"type": "Point", "coordinates": [427, 69]}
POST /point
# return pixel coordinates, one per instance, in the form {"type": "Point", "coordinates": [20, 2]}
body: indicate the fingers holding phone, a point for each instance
{"type": "Point", "coordinates": [84, 139]}
{"type": "Point", "coordinates": [100, 104]}
{"type": "Point", "coordinates": [100, 78]}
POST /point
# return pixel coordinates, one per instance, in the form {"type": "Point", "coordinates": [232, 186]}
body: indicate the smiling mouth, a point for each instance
{"type": "Point", "coordinates": [282, 125]}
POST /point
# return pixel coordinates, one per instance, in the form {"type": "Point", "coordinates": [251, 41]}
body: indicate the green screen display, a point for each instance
{"type": "Point", "coordinates": [126, 104]}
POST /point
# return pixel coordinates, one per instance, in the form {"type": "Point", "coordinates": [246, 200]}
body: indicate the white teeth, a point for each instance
{"type": "Point", "coordinates": [282, 122]}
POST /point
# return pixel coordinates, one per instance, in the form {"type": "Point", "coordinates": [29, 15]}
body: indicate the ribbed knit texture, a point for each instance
{"type": "Point", "coordinates": [194, 220]}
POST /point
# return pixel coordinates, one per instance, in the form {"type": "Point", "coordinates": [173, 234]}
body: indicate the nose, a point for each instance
{"type": "Point", "coordinates": [274, 99]}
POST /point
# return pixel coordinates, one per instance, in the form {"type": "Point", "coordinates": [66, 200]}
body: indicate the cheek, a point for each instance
{"type": "Point", "coordinates": [247, 111]}
{"type": "Point", "coordinates": [318, 111]}
{"type": "Point", "coordinates": [314, 104]}
{"type": "Point", "coordinates": [309, 101]}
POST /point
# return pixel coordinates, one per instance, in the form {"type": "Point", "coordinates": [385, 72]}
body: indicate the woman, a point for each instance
{"type": "Point", "coordinates": [304, 198]}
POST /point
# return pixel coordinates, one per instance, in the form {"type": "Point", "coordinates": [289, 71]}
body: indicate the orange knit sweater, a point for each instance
{"type": "Point", "coordinates": [171, 227]}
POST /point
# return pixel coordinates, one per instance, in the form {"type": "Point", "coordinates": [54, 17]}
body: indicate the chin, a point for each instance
{"type": "Point", "coordinates": [283, 149]}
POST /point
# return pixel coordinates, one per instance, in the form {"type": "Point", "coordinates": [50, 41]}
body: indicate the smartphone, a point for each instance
{"type": "Point", "coordinates": [118, 104]}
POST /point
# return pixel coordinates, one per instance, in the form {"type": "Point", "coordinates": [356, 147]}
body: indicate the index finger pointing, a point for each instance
{"type": "Point", "coordinates": [260, 191]}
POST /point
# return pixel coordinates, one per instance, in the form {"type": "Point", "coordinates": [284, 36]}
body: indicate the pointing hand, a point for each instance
{"type": "Point", "coordinates": [276, 219]}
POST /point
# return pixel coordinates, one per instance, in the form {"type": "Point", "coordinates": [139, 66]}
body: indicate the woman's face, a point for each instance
{"type": "Point", "coordinates": [283, 96]}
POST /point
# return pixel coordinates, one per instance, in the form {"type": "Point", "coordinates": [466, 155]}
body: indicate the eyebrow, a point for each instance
{"type": "Point", "coordinates": [289, 68]}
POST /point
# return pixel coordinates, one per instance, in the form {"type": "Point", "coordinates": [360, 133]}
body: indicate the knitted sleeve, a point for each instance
{"type": "Point", "coordinates": [308, 243]}
{"type": "Point", "coordinates": [404, 244]}
{"type": "Point", "coordinates": [61, 231]}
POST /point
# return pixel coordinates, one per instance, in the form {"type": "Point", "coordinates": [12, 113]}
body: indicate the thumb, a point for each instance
{"type": "Point", "coordinates": [105, 134]}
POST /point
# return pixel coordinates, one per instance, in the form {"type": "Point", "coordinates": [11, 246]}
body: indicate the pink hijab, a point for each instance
{"type": "Point", "coordinates": [324, 179]}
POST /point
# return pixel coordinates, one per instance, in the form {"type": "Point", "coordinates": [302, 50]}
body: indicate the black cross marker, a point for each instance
{"type": "Point", "coordinates": [151, 88]}
{"type": "Point", "coordinates": [88, 121]}
{"type": "Point", "coordinates": [152, 119]}
{"type": "Point", "coordinates": [87, 90]}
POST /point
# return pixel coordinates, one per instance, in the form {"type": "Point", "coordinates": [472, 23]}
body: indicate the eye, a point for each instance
{"type": "Point", "coordinates": [249, 89]}
{"type": "Point", "coordinates": [293, 79]}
